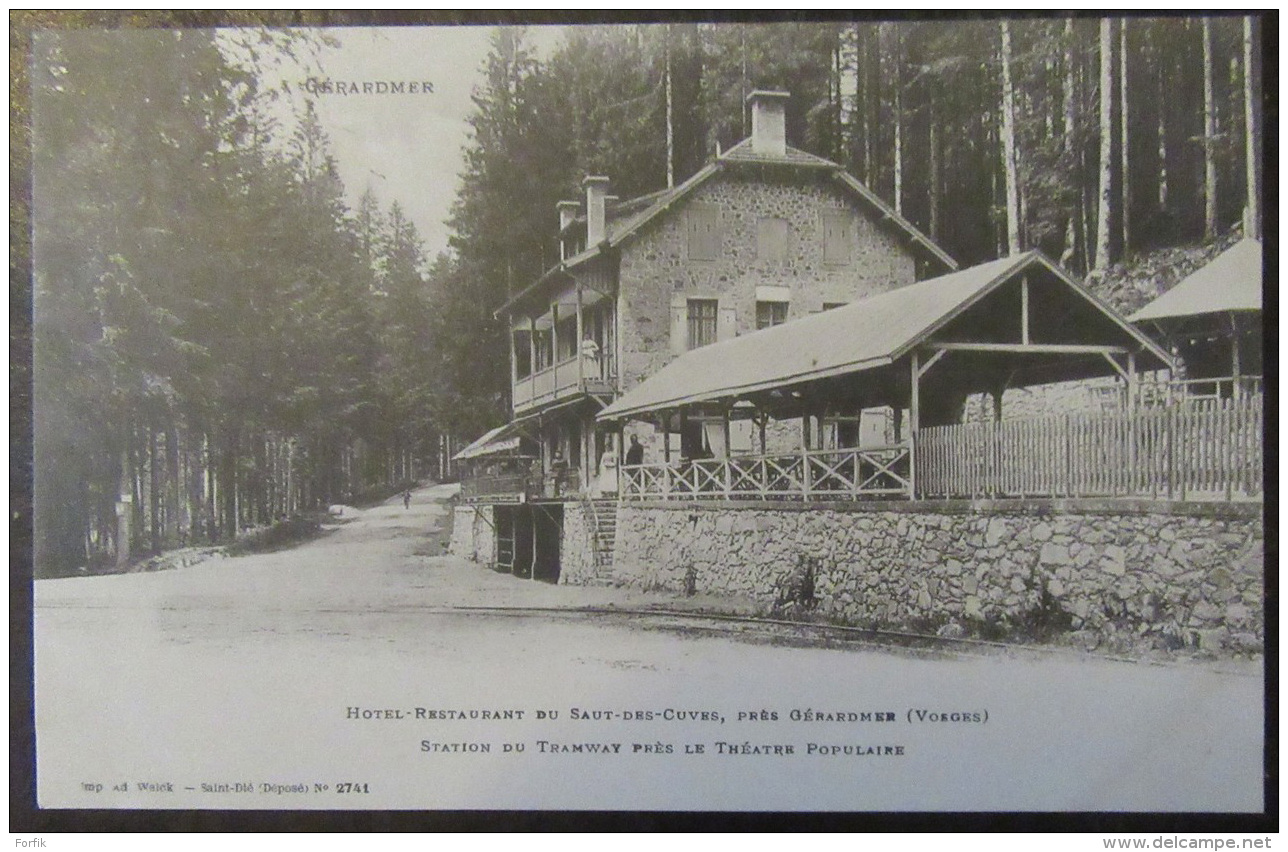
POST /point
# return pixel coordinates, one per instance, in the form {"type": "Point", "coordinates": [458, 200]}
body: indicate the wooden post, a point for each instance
{"type": "Point", "coordinates": [1024, 310]}
{"type": "Point", "coordinates": [1235, 367]}
{"type": "Point", "coordinates": [514, 363]}
{"type": "Point", "coordinates": [762, 420]}
{"type": "Point", "coordinates": [581, 369]}
{"type": "Point", "coordinates": [914, 418]}
{"type": "Point", "coordinates": [554, 349]}
{"type": "Point", "coordinates": [728, 456]}
{"type": "Point", "coordinates": [532, 351]}
{"type": "Point", "coordinates": [1132, 402]}
{"type": "Point", "coordinates": [666, 437]}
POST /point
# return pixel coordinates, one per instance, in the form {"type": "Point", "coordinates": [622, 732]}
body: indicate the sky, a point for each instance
{"type": "Point", "coordinates": [406, 147]}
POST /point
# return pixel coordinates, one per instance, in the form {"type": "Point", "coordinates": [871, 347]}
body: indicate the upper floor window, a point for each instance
{"type": "Point", "coordinates": [770, 314]}
{"type": "Point", "coordinates": [704, 232]}
{"type": "Point", "coordinates": [771, 239]}
{"type": "Point", "coordinates": [836, 237]}
{"type": "Point", "coordinates": [703, 319]}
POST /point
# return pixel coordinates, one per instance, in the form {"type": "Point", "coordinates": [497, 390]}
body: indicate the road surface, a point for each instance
{"type": "Point", "coordinates": [358, 671]}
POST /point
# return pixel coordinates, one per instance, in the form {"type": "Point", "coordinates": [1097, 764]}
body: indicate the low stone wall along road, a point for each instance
{"type": "Point", "coordinates": [367, 669]}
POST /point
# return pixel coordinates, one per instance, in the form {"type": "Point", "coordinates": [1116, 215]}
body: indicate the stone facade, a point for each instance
{"type": "Point", "coordinates": [576, 547]}
{"type": "Point", "coordinates": [474, 534]}
{"type": "Point", "coordinates": [656, 267]}
{"type": "Point", "coordinates": [1179, 574]}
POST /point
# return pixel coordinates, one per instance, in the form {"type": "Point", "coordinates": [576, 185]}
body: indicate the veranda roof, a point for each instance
{"type": "Point", "coordinates": [866, 334]}
{"type": "Point", "coordinates": [1231, 281]}
{"type": "Point", "coordinates": [498, 440]}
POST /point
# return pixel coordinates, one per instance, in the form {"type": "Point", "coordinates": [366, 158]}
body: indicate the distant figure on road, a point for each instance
{"type": "Point", "coordinates": [635, 454]}
{"type": "Point", "coordinates": [407, 499]}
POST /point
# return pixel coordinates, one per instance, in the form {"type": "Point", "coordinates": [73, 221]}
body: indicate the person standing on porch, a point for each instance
{"type": "Point", "coordinates": [635, 455]}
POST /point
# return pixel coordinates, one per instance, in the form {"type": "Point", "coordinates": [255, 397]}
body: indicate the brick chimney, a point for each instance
{"type": "Point", "coordinates": [768, 122]}
{"type": "Point", "coordinates": [596, 193]}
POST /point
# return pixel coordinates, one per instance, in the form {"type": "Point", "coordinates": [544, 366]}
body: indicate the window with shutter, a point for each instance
{"type": "Point", "coordinates": [771, 239]}
{"type": "Point", "coordinates": [836, 237]}
{"type": "Point", "coordinates": [704, 232]}
{"type": "Point", "coordinates": [703, 315]}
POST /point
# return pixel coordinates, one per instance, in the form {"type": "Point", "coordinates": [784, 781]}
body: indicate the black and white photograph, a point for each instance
{"type": "Point", "coordinates": [850, 415]}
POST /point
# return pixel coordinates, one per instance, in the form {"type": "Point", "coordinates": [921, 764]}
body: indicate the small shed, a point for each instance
{"type": "Point", "coordinates": [1212, 320]}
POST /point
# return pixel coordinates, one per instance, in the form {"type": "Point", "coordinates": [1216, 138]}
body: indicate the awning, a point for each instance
{"type": "Point", "coordinates": [864, 335]}
{"type": "Point", "coordinates": [1231, 281]}
{"type": "Point", "coordinates": [499, 440]}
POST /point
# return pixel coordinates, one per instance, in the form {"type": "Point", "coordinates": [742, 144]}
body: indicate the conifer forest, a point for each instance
{"type": "Point", "coordinates": [220, 340]}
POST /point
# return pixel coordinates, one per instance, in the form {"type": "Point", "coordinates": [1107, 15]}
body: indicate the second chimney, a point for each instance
{"type": "Point", "coordinates": [596, 193]}
{"type": "Point", "coordinates": [768, 122]}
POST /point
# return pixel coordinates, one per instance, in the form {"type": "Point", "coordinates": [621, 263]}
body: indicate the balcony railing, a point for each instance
{"type": "Point", "coordinates": [845, 474]}
{"type": "Point", "coordinates": [563, 380]}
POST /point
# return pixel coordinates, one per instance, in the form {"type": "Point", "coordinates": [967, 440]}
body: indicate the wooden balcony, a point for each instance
{"type": "Point", "coordinates": [566, 379]}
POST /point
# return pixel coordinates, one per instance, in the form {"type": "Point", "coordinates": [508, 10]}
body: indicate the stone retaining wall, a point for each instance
{"type": "Point", "coordinates": [1179, 573]}
{"type": "Point", "coordinates": [576, 550]}
{"type": "Point", "coordinates": [473, 534]}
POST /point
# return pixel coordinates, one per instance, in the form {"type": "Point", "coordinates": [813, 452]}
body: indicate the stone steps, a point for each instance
{"type": "Point", "coordinates": [605, 515]}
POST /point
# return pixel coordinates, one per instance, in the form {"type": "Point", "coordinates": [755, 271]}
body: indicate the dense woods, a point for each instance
{"type": "Point", "coordinates": [1097, 141]}
{"type": "Point", "coordinates": [220, 341]}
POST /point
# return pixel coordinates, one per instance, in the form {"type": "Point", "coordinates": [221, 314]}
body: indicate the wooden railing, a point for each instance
{"type": "Point", "coordinates": [1198, 449]}
{"type": "Point", "coordinates": [518, 487]}
{"type": "Point", "coordinates": [569, 376]}
{"type": "Point", "coordinates": [497, 487]}
{"type": "Point", "coordinates": [846, 474]}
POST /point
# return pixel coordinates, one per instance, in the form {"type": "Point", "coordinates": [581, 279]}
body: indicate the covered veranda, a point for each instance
{"type": "Point", "coordinates": [1212, 320]}
{"type": "Point", "coordinates": [919, 351]}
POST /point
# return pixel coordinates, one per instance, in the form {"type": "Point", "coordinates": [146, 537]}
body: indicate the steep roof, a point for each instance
{"type": "Point", "coordinates": [623, 228]}
{"type": "Point", "coordinates": [866, 334]}
{"type": "Point", "coordinates": [1232, 281]}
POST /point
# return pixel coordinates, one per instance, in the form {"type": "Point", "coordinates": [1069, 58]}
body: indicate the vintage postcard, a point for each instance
{"type": "Point", "coordinates": [837, 416]}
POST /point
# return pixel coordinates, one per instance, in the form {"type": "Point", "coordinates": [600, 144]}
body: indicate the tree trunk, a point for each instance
{"type": "Point", "coordinates": [898, 119]}
{"type": "Point", "coordinates": [1209, 136]}
{"type": "Point", "coordinates": [1101, 262]}
{"type": "Point", "coordinates": [1252, 215]}
{"type": "Point", "coordinates": [1070, 151]}
{"type": "Point", "coordinates": [670, 113]}
{"type": "Point", "coordinates": [1123, 171]}
{"type": "Point", "coordinates": [934, 169]}
{"type": "Point", "coordinates": [124, 495]}
{"type": "Point", "coordinates": [1008, 147]}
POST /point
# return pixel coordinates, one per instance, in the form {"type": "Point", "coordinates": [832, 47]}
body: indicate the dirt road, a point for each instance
{"type": "Point", "coordinates": [355, 671]}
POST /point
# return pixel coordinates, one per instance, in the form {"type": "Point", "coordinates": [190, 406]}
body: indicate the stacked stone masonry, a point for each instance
{"type": "Point", "coordinates": [1194, 574]}
{"type": "Point", "coordinates": [473, 534]}
{"type": "Point", "coordinates": [655, 267]}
